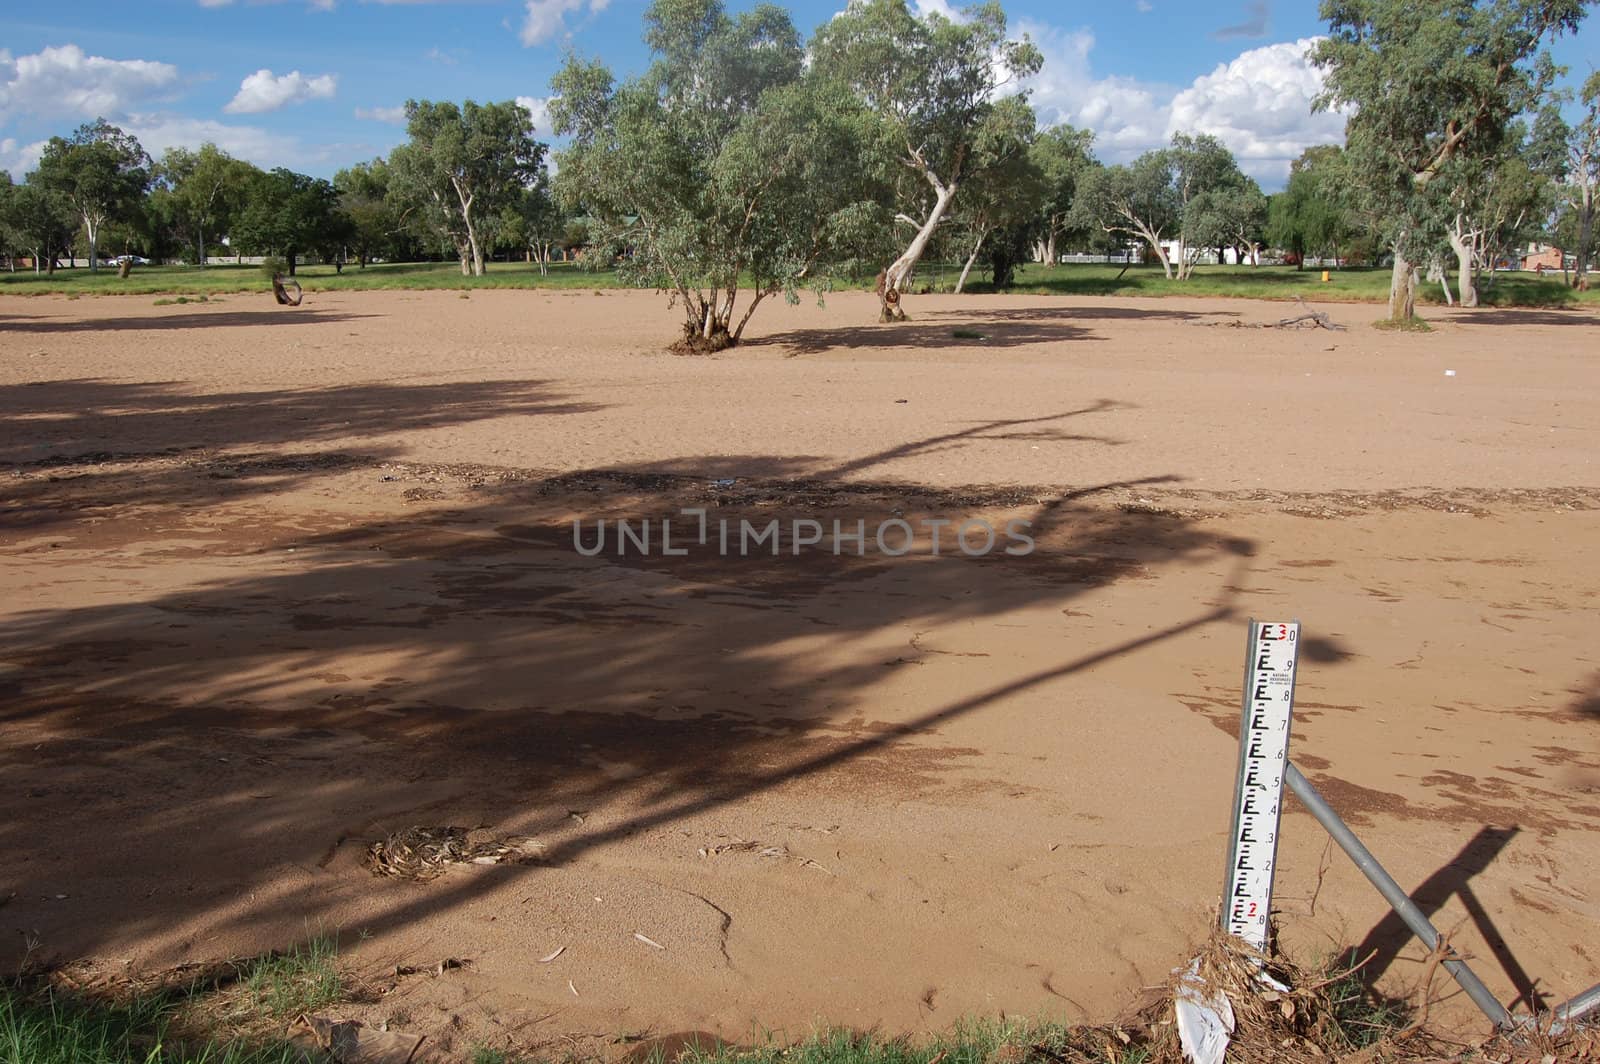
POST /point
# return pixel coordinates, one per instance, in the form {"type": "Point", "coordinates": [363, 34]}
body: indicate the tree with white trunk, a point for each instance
{"type": "Point", "coordinates": [462, 166]}
{"type": "Point", "coordinates": [726, 173]}
{"type": "Point", "coordinates": [101, 172]}
{"type": "Point", "coordinates": [1432, 85]}
{"type": "Point", "coordinates": [948, 102]}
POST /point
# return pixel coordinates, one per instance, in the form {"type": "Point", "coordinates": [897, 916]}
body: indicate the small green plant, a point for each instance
{"type": "Point", "coordinates": [1411, 325]}
{"type": "Point", "coordinates": [273, 265]}
{"type": "Point", "coordinates": [181, 300]}
{"type": "Point", "coordinates": [302, 979]}
{"type": "Point", "coordinates": [1356, 1016]}
{"type": "Point", "coordinates": [486, 1055]}
{"type": "Point", "coordinates": [49, 1028]}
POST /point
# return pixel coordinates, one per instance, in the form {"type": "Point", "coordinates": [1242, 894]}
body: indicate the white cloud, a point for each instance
{"type": "Point", "coordinates": [158, 132]}
{"type": "Point", "coordinates": [265, 91]}
{"type": "Point", "coordinates": [1127, 116]}
{"type": "Point", "coordinates": [1259, 104]}
{"type": "Point", "coordinates": [65, 82]}
{"type": "Point", "coordinates": [938, 7]}
{"type": "Point", "coordinates": [392, 115]}
{"type": "Point", "coordinates": [17, 158]}
{"type": "Point", "coordinates": [539, 108]}
{"type": "Point", "coordinates": [546, 19]}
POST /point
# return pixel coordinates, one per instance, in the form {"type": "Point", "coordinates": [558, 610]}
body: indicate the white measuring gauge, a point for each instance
{"type": "Point", "coordinates": [1258, 793]}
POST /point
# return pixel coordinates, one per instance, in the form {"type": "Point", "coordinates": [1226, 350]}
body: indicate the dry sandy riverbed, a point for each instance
{"type": "Point", "coordinates": [277, 582]}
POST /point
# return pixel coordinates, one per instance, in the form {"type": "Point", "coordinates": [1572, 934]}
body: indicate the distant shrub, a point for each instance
{"type": "Point", "coordinates": [273, 265]}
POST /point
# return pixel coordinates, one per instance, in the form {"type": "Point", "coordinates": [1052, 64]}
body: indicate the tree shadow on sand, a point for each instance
{"type": "Point", "coordinates": [76, 448]}
{"type": "Point", "coordinates": [309, 689]}
{"type": "Point", "coordinates": [200, 319]}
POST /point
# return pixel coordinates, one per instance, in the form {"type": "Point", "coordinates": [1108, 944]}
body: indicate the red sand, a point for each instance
{"type": "Point", "coordinates": [278, 582]}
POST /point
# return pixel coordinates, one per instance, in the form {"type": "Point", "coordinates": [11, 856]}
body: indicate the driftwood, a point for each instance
{"type": "Point", "coordinates": [1311, 319]}
{"type": "Point", "coordinates": [281, 290]}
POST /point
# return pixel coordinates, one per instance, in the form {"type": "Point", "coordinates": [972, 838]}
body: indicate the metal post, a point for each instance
{"type": "Point", "coordinates": [1401, 902]}
{"type": "Point", "coordinates": [1568, 1014]}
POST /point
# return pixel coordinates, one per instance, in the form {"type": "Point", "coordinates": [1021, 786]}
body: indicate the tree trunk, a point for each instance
{"type": "Point", "coordinates": [1585, 236]}
{"type": "Point", "coordinates": [1161, 256]}
{"type": "Point", "coordinates": [1050, 256]}
{"type": "Point", "coordinates": [200, 246]}
{"type": "Point", "coordinates": [1464, 280]}
{"type": "Point", "coordinates": [1402, 289]}
{"type": "Point", "coordinates": [291, 256]}
{"type": "Point", "coordinates": [961, 282]}
{"type": "Point", "coordinates": [94, 243]}
{"type": "Point", "coordinates": [894, 278]}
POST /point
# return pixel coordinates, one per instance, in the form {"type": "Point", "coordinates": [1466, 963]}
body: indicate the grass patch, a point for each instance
{"type": "Point", "coordinates": [1410, 325]}
{"type": "Point", "coordinates": [193, 281]}
{"type": "Point", "coordinates": [1352, 285]}
{"type": "Point", "coordinates": [49, 1028]}
{"type": "Point", "coordinates": [302, 979]}
{"type": "Point", "coordinates": [180, 300]}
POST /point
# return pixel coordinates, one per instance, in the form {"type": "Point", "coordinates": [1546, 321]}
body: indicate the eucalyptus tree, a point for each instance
{"type": "Point", "coordinates": [1432, 85]}
{"type": "Point", "coordinates": [461, 167]}
{"type": "Point", "coordinates": [1062, 155]}
{"type": "Point", "coordinates": [1135, 202]}
{"type": "Point", "coordinates": [288, 213]}
{"type": "Point", "coordinates": [948, 104]}
{"type": "Point", "coordinates": [1010, 198]}
{"type": "Point", "coordinates": [728, 163]}
{"type": "Point", "coordinates": [1310, 216]}
{"type": "Point", "coordinates": [1581, 187]}
{"type": "Point", "coordinates": [198, 191]}
{"type": "Point", "coordinates": [38, 220]}
{"type": "Point", "coordinates": [101, 172]}
{"type": "Point", "coordinates": [1190, 194]}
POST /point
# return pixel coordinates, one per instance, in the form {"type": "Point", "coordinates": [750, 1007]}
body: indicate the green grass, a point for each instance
{"type": "Point", "coordinates": [53, 1029]}
{"type": "Point", "coordinates": [1415, 325]}
{"type": "Point", "coordinates": [1258, 282]}
{"type": "Point", "coordinates": [213, 280]}
{"type": "Point", "coordinates": [43, 1026]}
{"type": "Point", "coordinates": [1262, 282]}
{"type": "Point", "coordinates": [970, 1042]}
{"type": "Point", "coordinates": [1357, 1017]}
{"type": "Point", "coordinates": [302, 979]}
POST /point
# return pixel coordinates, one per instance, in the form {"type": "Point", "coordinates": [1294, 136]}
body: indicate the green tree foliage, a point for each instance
{"type": "Point", "coordinates": [725, 163]}
{"type": "Point", "coordinates": [38, 222]}
{"type": "Point", "coordinates": [936, 88]}
{"type": "Point", "coordinates": [1131, 203]}
{"type": "Point", "coordinates": [1496, 203]}
{"type": "Point", "coordinates": [101, 172]}
{"type": "Point", "coordinates": [1310, 217]}
{"type": "Point", "coordinates": [288, 214]}
{"type": "Point", "coordinates": [462, 166]}
{"type": "Point", "coordinates": [1434, 84]}
{"type": "Point", "coordinates": [534, 223]}
{"type": "Point", "coordinates": [376, 226]}
{"type": "Point", "coordinates": [1217, 204]}
{"type": "Point", "coordinates": [1003, 209]}
{"type": "Point", "coordinates": [1191, 192]}
{"type": "Point", "coordinates": [198, 192]}
{"type": "Point", "coordinates": [1062, 155]}
{"type": "Point", "coordinates": [1581, 173]}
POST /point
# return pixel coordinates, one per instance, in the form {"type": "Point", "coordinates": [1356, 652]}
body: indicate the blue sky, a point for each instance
{"type": "Point", "coordinates": [316, 84]}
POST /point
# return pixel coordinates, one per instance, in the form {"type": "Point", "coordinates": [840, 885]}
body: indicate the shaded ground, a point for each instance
{"type": "Point", "coordinates": [272, 592]}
